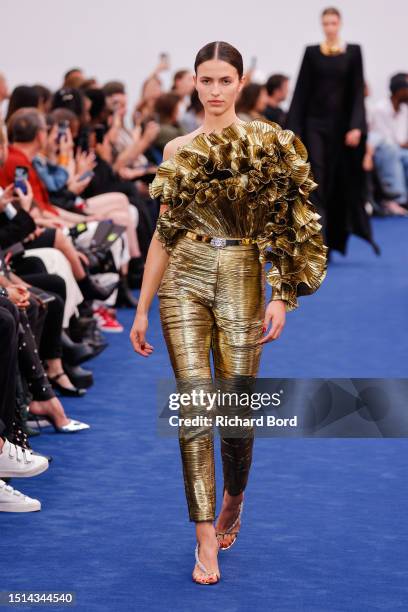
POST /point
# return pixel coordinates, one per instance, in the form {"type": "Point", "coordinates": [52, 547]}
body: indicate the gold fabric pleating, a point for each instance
{"type": "Point", "coordinates": [250, 180]}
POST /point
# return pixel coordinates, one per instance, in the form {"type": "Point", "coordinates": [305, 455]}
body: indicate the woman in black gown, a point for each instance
{"type": "Point", "coordinates": [327, 112]}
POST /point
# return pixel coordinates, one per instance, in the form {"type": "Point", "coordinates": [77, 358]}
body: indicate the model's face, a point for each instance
{"type": "Point", "coordinates": [331, 26]}
{"type": "Point", "coordinates": [218, 85]}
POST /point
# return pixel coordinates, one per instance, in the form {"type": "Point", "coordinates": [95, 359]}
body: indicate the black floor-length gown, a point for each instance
{"type": "Point", "coordinates": [328, 101]}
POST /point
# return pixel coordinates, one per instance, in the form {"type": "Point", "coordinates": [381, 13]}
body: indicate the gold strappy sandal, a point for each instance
{"type": "Point", "coordinates": [229, 531]}
{"type": "Point", "coordinates": [207, 577]}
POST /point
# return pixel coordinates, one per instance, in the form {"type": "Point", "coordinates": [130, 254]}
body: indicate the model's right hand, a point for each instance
{"type": "Point", "coordinates": [138, 336]}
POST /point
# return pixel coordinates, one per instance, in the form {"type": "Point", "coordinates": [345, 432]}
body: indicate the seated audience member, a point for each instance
{"type": "Point", "coordinates": [45, 98]}
{"type": "Point", "coordinates": [14, 459]}
{"type": "Point", "coordinates": [15, 225]}
{"type": "Point", "coordinates": [277, 89]}
{"type": "Point", "coordinates": [194, 115]}
{"type": "Point", "coordinates": [168, 110]}
{"type": "Point", "coordinates": [73, 78]}
{"type": "Point", "coordinates": [127, 146]}
{"type": "Point", "coordinates": [252, 102]}
{"type": "Point", "coordinates": [106, 179]}
{"type": "Point", "coordinates": [152, 88]}
{"type": "Point", "coordinates": [22, 96]}
{"type": "Point", "coordinates": [42, 399]}
{"type": "Point", "coordinates": [388, 139]}
{"type": "Point", "coordinates": [183, 87]}
{"type": "Point", "coordinates": [74, 100]}
{"type": "Point", "coordinates": [28, 131]}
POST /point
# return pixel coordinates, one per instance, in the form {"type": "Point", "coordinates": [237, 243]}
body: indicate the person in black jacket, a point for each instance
{"type": "Point", "coordinates": [15, 223]}
{"type": "Point", "coordinates": [327, 112]}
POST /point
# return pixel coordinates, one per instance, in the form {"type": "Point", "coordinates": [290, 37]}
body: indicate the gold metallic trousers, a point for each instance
{"type": "Point", "coordinates": [212, 300]}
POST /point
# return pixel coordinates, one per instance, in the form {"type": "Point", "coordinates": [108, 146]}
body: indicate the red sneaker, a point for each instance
{"type": "Point", "coordinates": [106, 322]}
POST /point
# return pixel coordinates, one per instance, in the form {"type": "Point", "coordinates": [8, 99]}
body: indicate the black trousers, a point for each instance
{"type": "Point", "coordinates": [9, 324]}
{"type": "Point", "coordinates": [29, 361]}
{"type": "Point", "coordinates": [50, 343]}
{"type": "Point", "coordinates": [34, 272]}
{"type": "Point", "coordinates": [44, 240]}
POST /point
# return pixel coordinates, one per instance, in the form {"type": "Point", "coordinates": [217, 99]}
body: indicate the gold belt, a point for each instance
{"type": "Point", "coordinates": [219, 242]}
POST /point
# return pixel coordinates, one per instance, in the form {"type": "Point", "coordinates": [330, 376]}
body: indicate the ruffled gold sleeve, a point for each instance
{"type": "Point", "coordinates": [291, 241]}
{"type": "Point", "coordinates": [249, 180]}
{"type": "Point", "coordinates": [164, 187]}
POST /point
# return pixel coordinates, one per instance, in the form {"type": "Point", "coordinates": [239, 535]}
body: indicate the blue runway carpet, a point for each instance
{"type": "Point", "coordinates": [324, 524]}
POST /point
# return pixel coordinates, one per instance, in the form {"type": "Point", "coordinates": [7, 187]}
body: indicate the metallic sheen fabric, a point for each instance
{"type": "Point", "coordinates": [212, 300]}
{"type": "Point", "coordinates": [249, 180]}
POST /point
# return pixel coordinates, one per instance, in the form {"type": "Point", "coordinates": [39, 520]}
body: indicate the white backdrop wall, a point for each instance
{"type": "Point", "coordinates": [121, 39]}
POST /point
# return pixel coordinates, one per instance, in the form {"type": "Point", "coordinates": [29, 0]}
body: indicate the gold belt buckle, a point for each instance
{"type": "Point", "coordinates": [219, 243]}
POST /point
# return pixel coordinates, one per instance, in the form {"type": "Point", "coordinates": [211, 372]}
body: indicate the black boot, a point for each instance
{"type": "Point", "coordinates": [125, 297]}
{"type": "Point", "coordinates": [79, 328]}
{"type": "Point", "coordinates": [75, 353]}
{"type": "Point", "coordinates": [93, 291]}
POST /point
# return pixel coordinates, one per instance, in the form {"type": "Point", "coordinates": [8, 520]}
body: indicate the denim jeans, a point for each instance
{"type": "Point", "coordinates": [391, 164]}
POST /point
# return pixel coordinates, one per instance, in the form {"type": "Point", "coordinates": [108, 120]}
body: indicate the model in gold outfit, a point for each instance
{"type": "Point", "coordinates": [234, 196]}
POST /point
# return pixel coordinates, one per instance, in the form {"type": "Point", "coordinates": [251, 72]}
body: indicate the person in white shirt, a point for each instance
{"type": "Point", "coordinates": [388, 142]}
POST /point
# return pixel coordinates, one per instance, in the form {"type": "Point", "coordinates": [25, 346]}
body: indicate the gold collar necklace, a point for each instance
{"type": "Point", "coordinates": [327, 49]}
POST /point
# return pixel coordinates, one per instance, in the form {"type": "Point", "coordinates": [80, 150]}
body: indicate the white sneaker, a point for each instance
{"type": "Point", "coordinates": [18, 462]}
{"type": "Point", "coordinates": [14, 501]}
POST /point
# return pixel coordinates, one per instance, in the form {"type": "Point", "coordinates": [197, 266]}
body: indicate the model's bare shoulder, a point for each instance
{"type": "Point", "coordinates": [170, 148]}
{"type": "Point", "coordinates": [173, 145]}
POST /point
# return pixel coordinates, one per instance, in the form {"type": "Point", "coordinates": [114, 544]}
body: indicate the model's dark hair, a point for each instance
{"type": "Point", "coordinates": [248, 98]}
{"type": "Point", "coordinates": [331, 10]}
{"type": "Point", "coordinates": [195, 103]}
{"type": "Point", "coordinates": [274, 82]}
{"type": "Point", "coordinates": [223, 51]}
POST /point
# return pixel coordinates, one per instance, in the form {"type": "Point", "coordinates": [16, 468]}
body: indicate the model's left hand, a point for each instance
{"type": "Point", "coordinates": [352, 138]}
{"type": "Point", "coordinates": [275, 314]}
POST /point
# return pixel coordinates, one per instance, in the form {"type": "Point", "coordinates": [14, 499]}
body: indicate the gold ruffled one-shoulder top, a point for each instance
{"type": "Point", "coordinates": [249, 180]}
